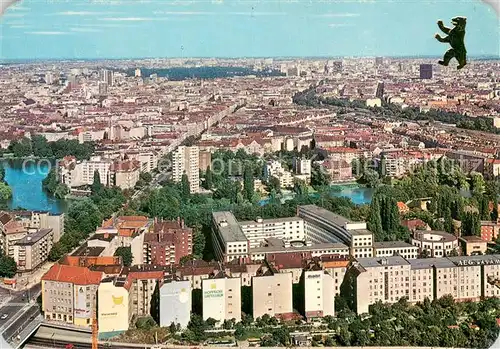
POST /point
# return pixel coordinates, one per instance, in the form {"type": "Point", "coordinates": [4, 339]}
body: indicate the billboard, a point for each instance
{"type": "Point", "coordinates": [113, 308]}
{"type": "Point", "coordinates": [175, 303]}
{"type": "Point", "coordinates": [82, 311]}
{"type": "Point", "coordinates": [214, 302]}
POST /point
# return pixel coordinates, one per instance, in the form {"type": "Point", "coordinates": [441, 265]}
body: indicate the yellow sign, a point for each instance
{"type": "Point", "coordinates": [117, 300]}
{"type": "Point", "coordinates": [213, 286]}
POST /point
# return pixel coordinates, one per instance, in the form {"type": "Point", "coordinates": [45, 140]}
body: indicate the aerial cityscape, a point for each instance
{"type": "Point", "coordinates": [168, 183]}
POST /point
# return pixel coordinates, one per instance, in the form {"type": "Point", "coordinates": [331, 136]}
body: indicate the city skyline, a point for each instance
{"type": "Point", "coordinates": [182, 29]}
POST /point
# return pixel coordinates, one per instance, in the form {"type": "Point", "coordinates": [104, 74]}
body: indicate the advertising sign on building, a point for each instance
{"type": "Point", "coordinates": [81, 309]}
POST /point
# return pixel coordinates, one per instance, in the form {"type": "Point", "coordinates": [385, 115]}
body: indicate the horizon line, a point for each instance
{"type": "Point", "coordinates": [472, 57]}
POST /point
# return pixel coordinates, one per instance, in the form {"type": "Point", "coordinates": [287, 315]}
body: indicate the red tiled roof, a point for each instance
{"type": "Point", "coordinates": [71, 274]}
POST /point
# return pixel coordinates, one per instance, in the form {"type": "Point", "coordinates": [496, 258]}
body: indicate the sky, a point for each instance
{"type": "Point", "coordinates": [98, 29]}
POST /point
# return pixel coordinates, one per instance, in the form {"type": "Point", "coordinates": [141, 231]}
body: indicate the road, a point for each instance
{"type": "Point", "coordinates": [22, 321]}
{"type": "Point", "coordinates": [17, 310]}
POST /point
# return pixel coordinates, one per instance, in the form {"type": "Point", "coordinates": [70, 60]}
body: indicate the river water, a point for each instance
{"type": "Point", "coordinates": [25, 179]}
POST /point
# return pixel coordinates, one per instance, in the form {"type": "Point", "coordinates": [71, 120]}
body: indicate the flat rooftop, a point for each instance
{"type": "Point", "coordinates": [426, 263]}
{"type": "Point", "coordinates": [392, 244]}
{"type": "Point", "coordinates": [382, 262]}
{"type": "Point", "coordinates": [278, 246]}
{"type": "Point", "coordinates": [328, 215]}
{"type": "Point", "coordinates": [228, 227]}
{"type": "Point", "coordinates": [33, 238]}
{"type": "Point", "coordinates": [271, 221]}
{"type": "Point", "coordinates": [357, 232]}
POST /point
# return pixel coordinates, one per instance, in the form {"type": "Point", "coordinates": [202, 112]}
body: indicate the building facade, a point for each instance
{"type": "Point", "coordinates": [175, 303]}
{"type": "Point", "coordinates": [185, 160]}
{"type": "Point", "coordinates": [221, 298]}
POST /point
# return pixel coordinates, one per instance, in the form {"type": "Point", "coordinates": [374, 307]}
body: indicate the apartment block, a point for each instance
{"type": "Point", "coordinates": [465, 278]}
{"type": "Point", "coordinates": [175, 302]}
{"type": "Point", "coordinates": [324, 226]}
{"type": "Point", "coordinates": [229, 241]}
{"type": "Point", "coordinates": [393, 248]}
{"type": "Point", "coordinates": [435, 243]}
{"type": "Point", "coordinates": [167, 243]}
{"type": "Point", "coordinates": [114, 312]}
{"type": "Point", "coordinates": [34, 220]}
{"type": "Point", "coordinates": [69, 294]}
{"type": "Point", "coordinates": [221, 298]}
{"type": "Point", "coordinates": [75, 173]}
{"type": "Point", "coordinates": [288, 229]}
{"type": "Point", "coordinates": [125, 174]}
{"type": "Point", "coordinates": [33, 250]}
{"type": "Point", "coordinates": [490, 230]}
{"type": "Point", "coordinates": [272, 292]}
{"type": "Point", "coordinates": [319, 296]}
{"type": "Point", "coordinates": [185, 160]}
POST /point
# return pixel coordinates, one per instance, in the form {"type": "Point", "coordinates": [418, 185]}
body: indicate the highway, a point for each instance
{"type": "Point", "coordinates": [21, 322]}
{"type": "Point", "coordinates": [19, 310]}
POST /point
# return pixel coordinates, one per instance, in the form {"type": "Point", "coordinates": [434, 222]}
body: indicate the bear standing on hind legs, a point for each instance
{"type": "Point", "coordinates": [455, 38]}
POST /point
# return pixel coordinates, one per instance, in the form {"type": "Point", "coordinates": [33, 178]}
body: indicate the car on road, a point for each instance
{"type": "Point", "coordinates": [4, 316]}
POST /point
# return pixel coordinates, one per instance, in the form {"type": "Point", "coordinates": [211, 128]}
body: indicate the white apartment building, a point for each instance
{"type": "Point", "coordinates": [465, 278]}
{"type": "Point", "coordinates": [228, 239]}
{"type": "Point", "coordinates": [436, 243]}
{"type": "Point", "coordinates": [323, 226]}
{"type": "Point", "coordinates": [275, 169]}
{"type": "Point", "coordinates": [395, 248]}
{"type": "Point", "coordinates": [319, 296]}
{"type": "Point", "coordinates": [287, 229]}
{"type": "Point", "coordinates": [77, 173]}
{"type": "Point", "coordinates": [302, 166]}
{"type": "Point", "coordinates": [272, 293]}
{"type": "Point", "coordinates": [221, 297]}
{"type": "Point", "coordinates": [185, 160]}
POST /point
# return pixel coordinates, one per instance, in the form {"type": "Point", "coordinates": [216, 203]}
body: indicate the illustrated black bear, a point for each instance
{"type": "Point", "coordinates": [455, 38]}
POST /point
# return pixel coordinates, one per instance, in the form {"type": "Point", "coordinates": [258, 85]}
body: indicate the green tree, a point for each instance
{"type": "Point", "coordinates": [319, 177]}
{"type": "Point", "coordinates": [209, 180]}
{"type": "Point", "coordinates": [248, 183]}
{"type": "Point", "coordinates": [448, 222]}
{"type": "Point", "coordinates": [86, 216]}
{"type": "Point", "coordinates": [199, 241]}
{"type": "Point", "coordinates": [8, 267]}
{"type": "Point", "coordinates": [370, 178]}
{"type": "Point", "coordinates": [274, 185]}
{"type": "Point", "coordinates": [374, 222]}
{"type": "Point", "coordinates": [5, 192]}
{"type": "Point", "coordinates": [477, 183]}
{"type": "Point", "coordinates": [2, 174]}
{"type": "Point", "coordinates": [96, 186]}
{"type": "Point", "coordinates": [41, 148]}
{"type": "Point", "coordinates": [185, 187]}
{"type": "Point", "coordinates": [21, 148]}
{"type": "Point", "coordinates": [126, 254]}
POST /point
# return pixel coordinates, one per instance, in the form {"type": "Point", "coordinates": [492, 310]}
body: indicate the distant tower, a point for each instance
{"type": "Point", "coordinates": [380, 90]}
{"type": "Point", "coordinates": [138, 73]}
{"type": "Point", "coordinates": [103, 89]}
{"type": "Point", "coordinates": [379, 61]}
{"type": "Point", "coordinates": [425, 71]}
{"type": "Point", "coordinates": [106, 76]}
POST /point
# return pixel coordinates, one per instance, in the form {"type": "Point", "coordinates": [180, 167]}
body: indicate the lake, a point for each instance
{"type": "Point", "coordinates": [25, 179]}
{"type": "Point", "coordinates": [358, 195]}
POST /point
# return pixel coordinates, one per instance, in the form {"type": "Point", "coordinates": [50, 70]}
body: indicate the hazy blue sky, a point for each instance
{"type": "Point", "coordinates": [239, 28]}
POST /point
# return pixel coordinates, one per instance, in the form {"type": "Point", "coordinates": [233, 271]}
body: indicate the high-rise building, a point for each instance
{"type": "Point", "coordinates": [185, 160]}
{"type": "Point", "coordinates": [103, 88]}
{"type": "Point", "coordinates": [106, 76]}
{"type": "Point", "coordinates": [379, 61]}
{"type": "Point", "coordinates": [379, 93]}
{"type": "Point", "coordinates": [425, 71]}
{"type": "Point", "coordinates": [138, 73]}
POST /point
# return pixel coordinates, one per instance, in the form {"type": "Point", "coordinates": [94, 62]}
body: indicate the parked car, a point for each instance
{"type": "Point", "coordinates": [4, 316]}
